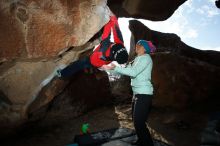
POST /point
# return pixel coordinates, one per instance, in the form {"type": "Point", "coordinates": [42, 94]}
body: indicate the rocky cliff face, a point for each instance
{"type": "Point", "coordinates": [34, 37]}
{"type": "Point", "coordinates": [44, 29]}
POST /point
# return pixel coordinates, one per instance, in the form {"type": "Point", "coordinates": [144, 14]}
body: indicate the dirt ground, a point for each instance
{"type": "Point", "coordinates": [178, 128]}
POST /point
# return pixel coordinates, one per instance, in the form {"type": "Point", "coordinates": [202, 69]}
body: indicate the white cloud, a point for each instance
{"type": "Point", "coordinates": [211, 48]}
{"type": "Point", "coordinates": [200, 11]}
{"type": "Point", "coordinates": [208, 11]}
{"type": "Point", "coordinates": [212, 1]}
{"type": "Point", "coordinates": [191, 33]}
{"type": "Point", "coordinates": [188, 3]}
{"type": "Point", "coordinates": [204, 22]}
{"type": "Point", "coordinates": [213, 12]}
{"type": "Point", "coordinates": [188, 6]}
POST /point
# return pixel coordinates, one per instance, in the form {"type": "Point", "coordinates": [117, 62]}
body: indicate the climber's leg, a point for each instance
{"type": "Point", "coordinates": [75, 67]}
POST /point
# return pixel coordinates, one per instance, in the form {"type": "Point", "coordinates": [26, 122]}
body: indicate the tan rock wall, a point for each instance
{"type": "Point", "coordinates": [42, 29]}
{"type": "Point", "coordinates": [34, 37]}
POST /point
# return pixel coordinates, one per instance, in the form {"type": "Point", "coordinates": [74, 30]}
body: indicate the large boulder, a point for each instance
{"type": "Point", "coordinates": [185, 82]}
{"type": "Point", "coordinates": [25, 83]}
{"type": "Point", "coordinates": [37, 38]}
{"type": "Point", "coordinates": [155, 10]}
{"type": "Point", "coordinates": [43, 29]}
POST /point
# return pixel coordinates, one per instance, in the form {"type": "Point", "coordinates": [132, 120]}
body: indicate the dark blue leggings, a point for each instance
{"type": "Point", "coordinates": [141, 106]}
{"type": "Point", "coordinates": [76, 67]}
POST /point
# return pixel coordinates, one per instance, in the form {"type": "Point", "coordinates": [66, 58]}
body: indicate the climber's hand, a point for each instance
{"type": "Point", "coordinates": [108, 67]}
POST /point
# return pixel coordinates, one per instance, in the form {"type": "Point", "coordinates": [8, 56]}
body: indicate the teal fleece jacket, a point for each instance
{"type": "Point", "coordinates": [140, 74]}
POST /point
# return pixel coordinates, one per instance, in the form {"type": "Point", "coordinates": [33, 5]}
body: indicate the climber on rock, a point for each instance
{"type": "Point", "coordinates": [104, 53]}
{"type": "Point", "coordinates": [108, 51]}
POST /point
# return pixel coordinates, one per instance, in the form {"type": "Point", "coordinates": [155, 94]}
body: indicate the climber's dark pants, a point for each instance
{"type": "Point", "coordinates": [76, 67]}
{"type": "Point", "coordinates": [141, 106]}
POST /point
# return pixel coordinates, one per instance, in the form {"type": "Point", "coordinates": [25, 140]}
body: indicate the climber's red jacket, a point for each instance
{"type": "Point", "coordinates": [100, 55]}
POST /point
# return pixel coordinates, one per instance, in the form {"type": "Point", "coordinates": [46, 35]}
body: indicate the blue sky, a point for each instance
{"type": "Point", "coordinates": [197, 22]}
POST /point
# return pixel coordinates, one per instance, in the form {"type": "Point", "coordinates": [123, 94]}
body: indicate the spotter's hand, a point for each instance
{"type": "Point", "coordinates": [108, 67]}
